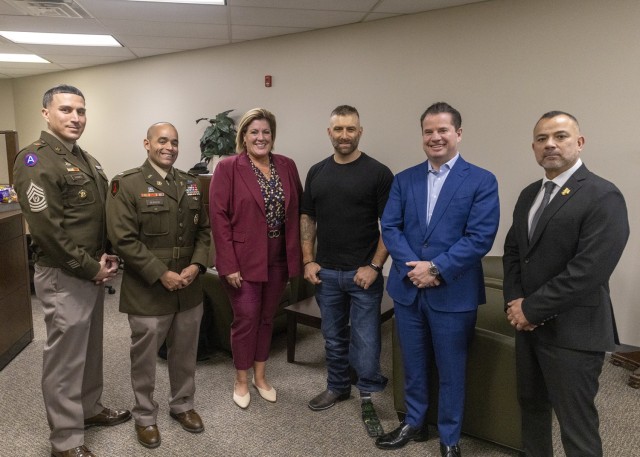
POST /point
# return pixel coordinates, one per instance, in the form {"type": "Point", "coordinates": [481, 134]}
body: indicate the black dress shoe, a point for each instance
{"type": "Point", "coordinates": [450, 451]}
{"type": "Point", "coordinates": [402, 435]}
{"type": "Point", "coordinates": [327, 399]}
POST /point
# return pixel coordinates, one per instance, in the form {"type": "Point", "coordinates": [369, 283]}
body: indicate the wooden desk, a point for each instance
{"type": "Point", "coordinates": [16, 322]}
{"type": "Point", "coordinates": [307, 312]}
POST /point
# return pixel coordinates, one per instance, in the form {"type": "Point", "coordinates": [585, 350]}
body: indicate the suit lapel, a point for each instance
{"type": "Point", "coordinates": [571, 187]}
{"type": "Point", "coordinates": [419, 188]}
{"type": "Point", "coordinates": [456, 177]}
{"type": "Point", "coordinates": [522, 213]}
{"type": "Point", "coordinates": [248, 176]}
{"type": "Point", "coordinates": [94, 173]}
{"type": "Point", "coordinates": [283, 173]}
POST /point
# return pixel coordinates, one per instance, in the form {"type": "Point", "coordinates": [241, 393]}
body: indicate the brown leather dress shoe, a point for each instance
{"type": "Point", "coordinates": [80, 451]}
{"type": "Point", "coordinates": [148, 436]}
{"type": "Point", "coordinates": [190, 421]}
{"type": "Point", "coordinates": [108, 417]}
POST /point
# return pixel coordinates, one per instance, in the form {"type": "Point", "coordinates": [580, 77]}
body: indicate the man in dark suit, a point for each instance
{"type": "Point", "coordinates": [440, 220]}
{"type": "Point", "coordinates": [557, 264]}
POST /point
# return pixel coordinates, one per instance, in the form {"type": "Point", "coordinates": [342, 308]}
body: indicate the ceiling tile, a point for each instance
{"type": "Point", "coordinates": [162, 42]}
{"type": "Point", "coordinates": [276, 17]}
{"type": "Point", "coordinates": [166, 29]}
{"type": "Point", "coordinates": [168, 12]}
{"type": "Point", "coordinates": [337, 5]}
{"type": "Point", "coordinates": [418, 6]}
{"type": "Point", "coordinates": [51, 25]}
{"type": "Point", "coordinates": [254, 32]}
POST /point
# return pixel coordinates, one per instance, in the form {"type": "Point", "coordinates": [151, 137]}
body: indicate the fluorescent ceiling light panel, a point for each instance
{"type": "Point", "coordinates": [61, 39]}
{"type": "Point", "coordinates": [28, 58]}
{"type": "Point", "coordinates": [195, 2]}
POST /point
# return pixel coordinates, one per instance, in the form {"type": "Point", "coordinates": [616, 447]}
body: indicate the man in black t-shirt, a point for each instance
{"type": "Point", "coordinates": [343, 199]}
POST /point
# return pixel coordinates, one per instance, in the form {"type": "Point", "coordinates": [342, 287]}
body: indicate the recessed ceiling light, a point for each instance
{"type": "Point", "coordinates": [28, 58]}
{"type": "Point", "coordinates": [61, 39]}
{"type": "Point", "coordinates": [196, 2]}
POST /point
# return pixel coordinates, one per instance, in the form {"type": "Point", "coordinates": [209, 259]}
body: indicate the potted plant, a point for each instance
{"type": "Point", "coordinates": [219, 138]}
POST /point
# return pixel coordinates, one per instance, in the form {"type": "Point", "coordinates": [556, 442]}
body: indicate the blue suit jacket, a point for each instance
{"type": "Point", "coordinates": [461, 231]}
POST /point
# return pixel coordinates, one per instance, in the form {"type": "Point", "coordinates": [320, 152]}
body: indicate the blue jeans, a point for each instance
{"type": "Point", "coordinates": [341, 300]}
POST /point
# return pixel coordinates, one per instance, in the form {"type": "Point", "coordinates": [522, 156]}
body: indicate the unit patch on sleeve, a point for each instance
{"type": "Point", "coordinates": [36, 198]}
{"type": "Point", "coordinates": [115, 187]}
{"type": "Point", "coordinates": [30, 159]}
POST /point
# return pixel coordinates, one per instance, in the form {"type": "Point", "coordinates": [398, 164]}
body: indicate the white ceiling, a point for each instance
{"type": "Point", "coordinates": [147, 29]}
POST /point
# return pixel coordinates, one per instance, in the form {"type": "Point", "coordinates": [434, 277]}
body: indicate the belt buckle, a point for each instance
{"type": "Point", "coordinates": [273, 233]}
{"type": "Point", "coordinates": [176, 252]}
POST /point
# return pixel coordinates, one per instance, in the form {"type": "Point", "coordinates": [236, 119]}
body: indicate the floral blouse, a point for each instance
{"type": "Point", "coordinates": [273, 195]}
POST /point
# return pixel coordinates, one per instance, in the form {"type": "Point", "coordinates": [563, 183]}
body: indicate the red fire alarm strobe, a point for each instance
{"type": "Point", "coordinates": [267, 81]}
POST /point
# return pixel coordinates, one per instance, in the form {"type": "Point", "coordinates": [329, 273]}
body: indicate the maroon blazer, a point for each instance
{"type": "Point", "coordinates": [238, 218]}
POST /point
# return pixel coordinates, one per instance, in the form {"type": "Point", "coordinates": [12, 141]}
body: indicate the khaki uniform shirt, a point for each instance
{"type": "Point", "coordinates": [62, 197]}
{"type": "Point", "coordinates": [156, 227]}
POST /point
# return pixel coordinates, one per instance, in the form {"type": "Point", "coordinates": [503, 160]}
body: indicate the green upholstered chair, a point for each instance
{"type": "Point", "coordinates": [492, 411]}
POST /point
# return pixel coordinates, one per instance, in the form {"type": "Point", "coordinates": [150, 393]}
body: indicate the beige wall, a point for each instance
{"type": "Point", "coordinates": [501, 63]}
{"type": "Point", "coordinates": [7, 122]}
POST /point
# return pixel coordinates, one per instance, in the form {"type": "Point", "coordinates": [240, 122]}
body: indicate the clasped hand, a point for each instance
{"type": "Point", "coordinates": [516, 316]}
{"type": "Point", "coordinates": [108, 269]}
{"type": "Point", "coordinates": [174, 281]}
{"type": "Point", "coordinates": [420, 276]}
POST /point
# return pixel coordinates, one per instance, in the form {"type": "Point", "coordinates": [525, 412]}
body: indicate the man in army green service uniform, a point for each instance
{"type": "Point", "coordinates": [158, 225]}
{"type": "Point", "coordinates": [62, 192]}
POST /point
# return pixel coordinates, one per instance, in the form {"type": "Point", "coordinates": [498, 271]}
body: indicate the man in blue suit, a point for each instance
{"type": "Point", "coordinates": [440, 220]}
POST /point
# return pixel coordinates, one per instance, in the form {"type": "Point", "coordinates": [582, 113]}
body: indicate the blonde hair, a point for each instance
{"type": "Point", "coordinates": [247, 119]}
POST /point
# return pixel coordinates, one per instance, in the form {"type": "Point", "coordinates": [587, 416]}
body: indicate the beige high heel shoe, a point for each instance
{"type": "Point", "coordinates": [269, 395]}
{"type": "Point", "coordinates": [241, 400]}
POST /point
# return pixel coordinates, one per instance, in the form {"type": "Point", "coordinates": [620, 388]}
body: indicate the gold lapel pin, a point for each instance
{"type": "Point", "coordinates": [566, 191]}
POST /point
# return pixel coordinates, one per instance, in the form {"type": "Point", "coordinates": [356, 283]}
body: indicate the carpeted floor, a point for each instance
{"type": "Point", "coordinates": [286, 428]}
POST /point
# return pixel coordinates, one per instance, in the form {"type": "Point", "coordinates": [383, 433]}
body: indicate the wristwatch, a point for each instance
{"type": "Point", "coordinates": [433, 270]}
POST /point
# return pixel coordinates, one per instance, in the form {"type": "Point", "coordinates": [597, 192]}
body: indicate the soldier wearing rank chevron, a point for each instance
{"type": "Point", "coordinates": [62, 190]}
{"type": "Point", "coordinates": [158, 225]}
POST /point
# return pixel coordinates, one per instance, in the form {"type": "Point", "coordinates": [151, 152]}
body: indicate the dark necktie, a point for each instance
{"type": "Point", "coordinates": [171, 183]}
{"type": "Point", "coordinates": [77, 152]}
{"type": "Point", "coordinates": [548, 188]}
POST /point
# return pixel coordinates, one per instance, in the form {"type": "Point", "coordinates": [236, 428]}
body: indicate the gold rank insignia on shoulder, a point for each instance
{"type": "Point", "coordinates": [566, 191]}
